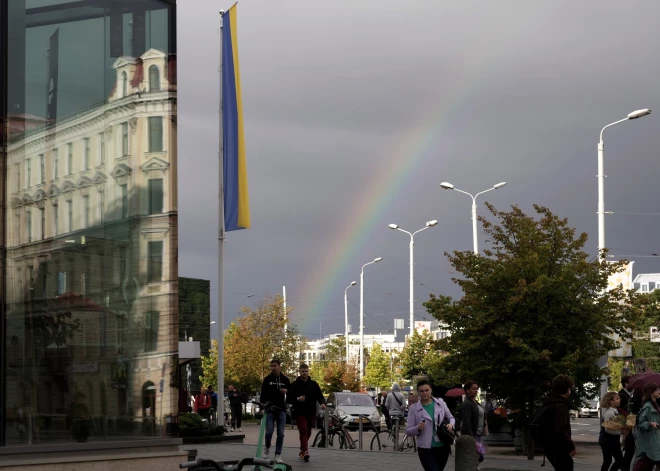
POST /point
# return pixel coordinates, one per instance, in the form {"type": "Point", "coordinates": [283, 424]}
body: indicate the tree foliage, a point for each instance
{"type": "Point", "coordinates": [378, 372]}
{"type": "Point", "coordinates": [420, 355]}
{"type": "Point", "coordinates": [643, 348]}
{"type": "Point", "coordinates": [533, 307]}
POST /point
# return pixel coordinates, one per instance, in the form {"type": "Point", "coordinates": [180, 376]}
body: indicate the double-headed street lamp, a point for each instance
{"type": "Point", "coordinates": [475, 240]}
{"type": "Point", "coordinates": [375, 260]}
{"type": "Point", "coordinates": [601, 180]}
{"type": "Point", "coordinates": [412, 271]}
{"type": "Point", "coordinates": [353, 283]}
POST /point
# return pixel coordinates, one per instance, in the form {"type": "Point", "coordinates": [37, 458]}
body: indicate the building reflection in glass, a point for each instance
{"type": "Point", "coordinates": [90, 273]}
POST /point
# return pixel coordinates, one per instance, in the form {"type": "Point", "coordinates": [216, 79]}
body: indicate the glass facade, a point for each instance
{"type": "Point", "coordinates": [89, 275]}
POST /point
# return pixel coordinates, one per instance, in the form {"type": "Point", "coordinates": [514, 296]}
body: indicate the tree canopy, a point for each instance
{"type": "Point", "coordinates": [533, 306]}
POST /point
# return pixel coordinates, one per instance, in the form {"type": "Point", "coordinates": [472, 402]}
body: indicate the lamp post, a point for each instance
{"type": "Point", "coordinates": [412, 262]}
{"type": "Point", "coordinates": [601, 180]}
{"type": "Point", "coordinates": [449, 186]}
{"type": "Point", "coordinates": [375, 260]}
{"type": "Point", "coordinates": [353, 283]}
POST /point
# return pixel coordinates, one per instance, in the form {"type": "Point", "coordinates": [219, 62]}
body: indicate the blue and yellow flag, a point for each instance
{"type": "Point", "coordinates": [237, 208]}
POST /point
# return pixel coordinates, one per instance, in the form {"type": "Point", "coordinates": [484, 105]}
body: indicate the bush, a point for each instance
{"type": "Point", "coordinates": [192, 425]}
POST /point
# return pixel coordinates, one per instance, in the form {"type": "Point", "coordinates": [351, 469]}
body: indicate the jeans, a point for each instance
{"type": "Point", "coordinates": [433, 459]}
{"type": "Point", "coordinates": [236, 415]}
{"type": "Point", "coordinates": [271, 418]}
{"type": "Point", "coordinates": [611, 448]}
{"type": "Point", "coordinates": [305, 424]}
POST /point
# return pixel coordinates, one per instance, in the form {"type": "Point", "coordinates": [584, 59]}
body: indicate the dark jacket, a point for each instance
{"type": "Point", "coordinates": [559, 436]}
{"type": "Point", "coordinates": [470, 418]}
{"type": "Point", "coordinates": [235, 399]}
{"type": "Point", "coordinates": [312, 392]}
{"type": "Point", "coordinates": [270, 390]}
{"type": "Point", "coordinates": [625, 399]}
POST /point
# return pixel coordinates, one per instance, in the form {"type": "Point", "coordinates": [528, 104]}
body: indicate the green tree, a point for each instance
{"type": "Point", "coordinates": [378, 371]}
{"type": "Point", "coordinates": [336, 350]}
{"type": "Point", "coordinates": [289, 351]}
{"type": "Point", "coordinates": [351, 376]}
{"type": "Point", "coordinates": [332, 376]}
{"type": "Point", "coordinates": [643, 348]}
{"type": "Point", "coordinates": [533, 307]}
{"type": "Point", "coordinates": [414, 356]}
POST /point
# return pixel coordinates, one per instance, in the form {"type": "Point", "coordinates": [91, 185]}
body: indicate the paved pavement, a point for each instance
{"type": "Point", "coordinates": [589, 457]}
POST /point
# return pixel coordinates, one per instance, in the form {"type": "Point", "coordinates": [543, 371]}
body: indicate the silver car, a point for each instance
{"type": "Point", "coordinates": [350, 406]}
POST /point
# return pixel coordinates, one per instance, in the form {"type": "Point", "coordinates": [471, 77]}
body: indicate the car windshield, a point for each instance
{"type": "Point", "coordinates": [361, 400]}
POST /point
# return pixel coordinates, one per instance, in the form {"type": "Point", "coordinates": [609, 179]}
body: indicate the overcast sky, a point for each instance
{"type": "Point", "coordinates": [356, 110]}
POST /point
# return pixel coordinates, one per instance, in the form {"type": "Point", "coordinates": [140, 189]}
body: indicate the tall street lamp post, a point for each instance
{"type": "Point", "coordinates": [375, 260]}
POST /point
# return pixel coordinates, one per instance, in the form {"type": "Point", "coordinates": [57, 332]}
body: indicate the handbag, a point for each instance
{"type": "Point", "coordinates": [447, 437]}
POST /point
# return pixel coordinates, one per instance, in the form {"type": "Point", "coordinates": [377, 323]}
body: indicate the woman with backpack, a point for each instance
{"type": "Point", "coordinates": [647, 443]}
{"type": "Point", "coordinates": [610, 440]}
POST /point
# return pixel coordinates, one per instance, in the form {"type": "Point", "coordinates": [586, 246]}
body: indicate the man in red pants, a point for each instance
{"type": "Point", "coordinates": [303, 395]}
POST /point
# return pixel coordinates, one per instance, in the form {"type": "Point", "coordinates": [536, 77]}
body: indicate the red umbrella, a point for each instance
{"type": "Point", "coordinates": [456, 392]}
{"type": "Point", "coordinates": [638, 381]}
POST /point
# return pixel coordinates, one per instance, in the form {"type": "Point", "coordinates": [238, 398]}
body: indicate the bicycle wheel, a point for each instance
{"type": "Point", "coordinates": [408, 444]}
{"type": "Point", "coordinates": [319, 441]}
{"type": "Point", "coordinates": [375, 442]}
{"type": "Point", "coordinates": [386, 439]}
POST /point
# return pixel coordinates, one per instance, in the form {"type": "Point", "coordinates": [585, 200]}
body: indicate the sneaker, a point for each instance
{"type": "Point", "coordinates": [240, 429]}
{"type": "Point", "coordinates": [266, 453]}
{"type": "Point", "coordinates": [231, 429]}
{"type": "Point", "coordinates": [278, 459]}
{"type": "Point", "coordinates": [301, 455]}
{"type": "Point", "coordinates": [306, 457]}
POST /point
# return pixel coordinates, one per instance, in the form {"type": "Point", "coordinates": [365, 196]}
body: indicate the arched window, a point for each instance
{"type": "Point", "coordinates": [124, 84]}
{"type": "Point", "coordinates": [154, 79]}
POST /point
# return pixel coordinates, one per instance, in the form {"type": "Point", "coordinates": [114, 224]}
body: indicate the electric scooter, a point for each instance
{"type": "Point", "coordinates": [262, 434]}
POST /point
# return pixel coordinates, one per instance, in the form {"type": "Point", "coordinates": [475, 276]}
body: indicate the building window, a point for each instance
{"type": "Point", "coordinates": [151, 331]}
{"type": "Point", "coordinates": [154, 79]}
{"type": "Point", "coordinates": [42, 215]}
{"type": "Point", "coordinates": [28, 224]}
{"type": "Point", "coordinates": [42, 168]}
{"type": "Point", "coordinates": [645, 288]}
{"type": "Point", "coordinates": [124, 84]}
{"type": "Point", "coordinates": [155, 188]}
{"type": "Point", "coordinates": [155, 262]}
{"type": "Point", "coordinates": [61, 283]}
{"type": "Point", "coordinates": [124, 139]}
{"type": "Point", "coordinates": [101, 206]}
{"type": "Point", "coordinates": [86, 211]}
{"type": "Point", "coordinates": [18, 228]}
{"type": "Point", "coordinates": [28, 173]}
{"type": "Point", "coordinates": [124, 200]}
{"type": "Point", "coordinates": [101, 149]}
{"type": "Point", "coordinates": [56, 164]}
{"type": "Point", "coordinates": [18, 177]}
{"type": "Point", "coordinates": [69, 220]}
{"type": "Point", "coordinates": [56, 220]}
{"type": "Point", "coordinates": [69, 157]}
{"type": "Point", "coordinates": [86, 156]}
{"type": "Point", "coordinates": [155, 134]}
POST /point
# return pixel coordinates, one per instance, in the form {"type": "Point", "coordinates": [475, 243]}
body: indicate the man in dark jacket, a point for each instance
{"type": "Point", "coordinates": [236, 406]}
{"type": "Point", "coordinates": [559, 447]}
{"type": "Point", "coordinates": [303, 396]}
{"type": "Point", "coordinates": [273, 390]}
{"type": "Point", "coordinates": [626, 396]}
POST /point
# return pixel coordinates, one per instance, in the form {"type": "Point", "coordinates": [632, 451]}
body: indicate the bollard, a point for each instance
{"type": "Point", "coordinates": [361, 418]}
{"type": "Point", "coordinates": [466, 453]}
{"type": "Point", "coordinates": [325, 428]}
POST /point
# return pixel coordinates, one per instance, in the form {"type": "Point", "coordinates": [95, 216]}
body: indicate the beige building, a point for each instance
{"type": "Point", "coordinates": [92, 263]}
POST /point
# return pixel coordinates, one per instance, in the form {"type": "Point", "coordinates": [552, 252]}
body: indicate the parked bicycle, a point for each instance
{"type": "Point", "coordinates": [338, 435]}
{"type": "Point", "coordinates": [386, 439]}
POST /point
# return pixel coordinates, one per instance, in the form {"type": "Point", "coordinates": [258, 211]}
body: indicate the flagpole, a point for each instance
{"type": "Point", "coordinates": [221, 242]}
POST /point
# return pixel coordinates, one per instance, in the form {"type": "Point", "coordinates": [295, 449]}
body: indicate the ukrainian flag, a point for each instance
{"type": "Point", "coordinates": [237, 209]}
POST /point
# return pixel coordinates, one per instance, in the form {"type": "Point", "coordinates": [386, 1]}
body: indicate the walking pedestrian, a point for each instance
{"type": "Point", "coordinates": [303, 395]}
{"type": "Point", "coordinates": [273, 391]}
{"type": "Point", "coordinates": [626, 396]}
{"type": "Point", "coordinates": [610, 440]}
{"type": "Point", "coordinates": [647, 443]}
{"type": "Point", "coordinates": [236, 406]}
{"type": "Point", "coordinates": [203, 403]}
{"type": "Point", "coordinates": [474, 421]}
{"type": "Point", "coordinates": [559, 447]}
{"type": "Point", "coordinates": [395, 403]}
{"type": "Point", "coordinates": [424, 417]}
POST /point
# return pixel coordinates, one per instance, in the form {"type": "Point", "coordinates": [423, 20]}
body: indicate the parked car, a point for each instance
{"type": "Point", "coordinates": [591, 409]}
{"type": "Point", "coordinates": [351, 405]}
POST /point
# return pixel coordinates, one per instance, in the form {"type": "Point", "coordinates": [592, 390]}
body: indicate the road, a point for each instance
{"type": "Point", "coordinates": [585, 430]}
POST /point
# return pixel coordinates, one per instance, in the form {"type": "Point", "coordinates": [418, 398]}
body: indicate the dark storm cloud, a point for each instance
{"type": "Point", "coordinates": [331, 89]}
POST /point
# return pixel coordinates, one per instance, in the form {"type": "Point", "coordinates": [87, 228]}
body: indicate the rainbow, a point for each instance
{"type": "Point", "coordinates": [411, 147]}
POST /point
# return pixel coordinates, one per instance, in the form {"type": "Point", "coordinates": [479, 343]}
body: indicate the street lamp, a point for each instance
{"type": "Point", "coordinates": [375, 260]}
{"type": "Point", "coordinates": [449, 186]}
{"type": "Point", "coordinates": [601, 180]}
{"type": "Point", "coordinates": [353, 283]}
{"type": "Point", "coordinates": [412, 271]}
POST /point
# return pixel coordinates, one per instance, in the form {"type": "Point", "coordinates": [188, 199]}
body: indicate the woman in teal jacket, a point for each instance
{"type": "Point", "coordinates": [647, 444]}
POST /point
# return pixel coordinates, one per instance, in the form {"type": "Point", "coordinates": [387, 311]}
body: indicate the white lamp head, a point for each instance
{"type": "Point", "coordinates": [432, 223]}
{"type": "Point", "coordinates": [378, 259]}
{"type": "Point", "coordinates": [639, 113]}
{"type": "Point", "coordinates": [393, 226]}
{"type": "Point", "coordinates": [447, 186]}
{"type": "Point", "coordinates": [353, 283]}
{"type": "Point", "coordinates": [499, 185]}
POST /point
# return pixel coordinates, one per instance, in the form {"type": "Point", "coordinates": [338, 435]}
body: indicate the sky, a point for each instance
{"type": "Point", "coordinates": [354, 113]}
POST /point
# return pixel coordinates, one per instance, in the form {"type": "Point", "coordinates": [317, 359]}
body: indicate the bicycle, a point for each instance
{"type": "Point", "coordinates": [338, 435]}
{"type": "Point", "coordinates": [386, 439]}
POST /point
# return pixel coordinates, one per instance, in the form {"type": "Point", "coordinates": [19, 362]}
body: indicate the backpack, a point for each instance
{"type": "Point", "coordinates": [245, 398]}
{"type": "Point", "coordinates": [541, 424]}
